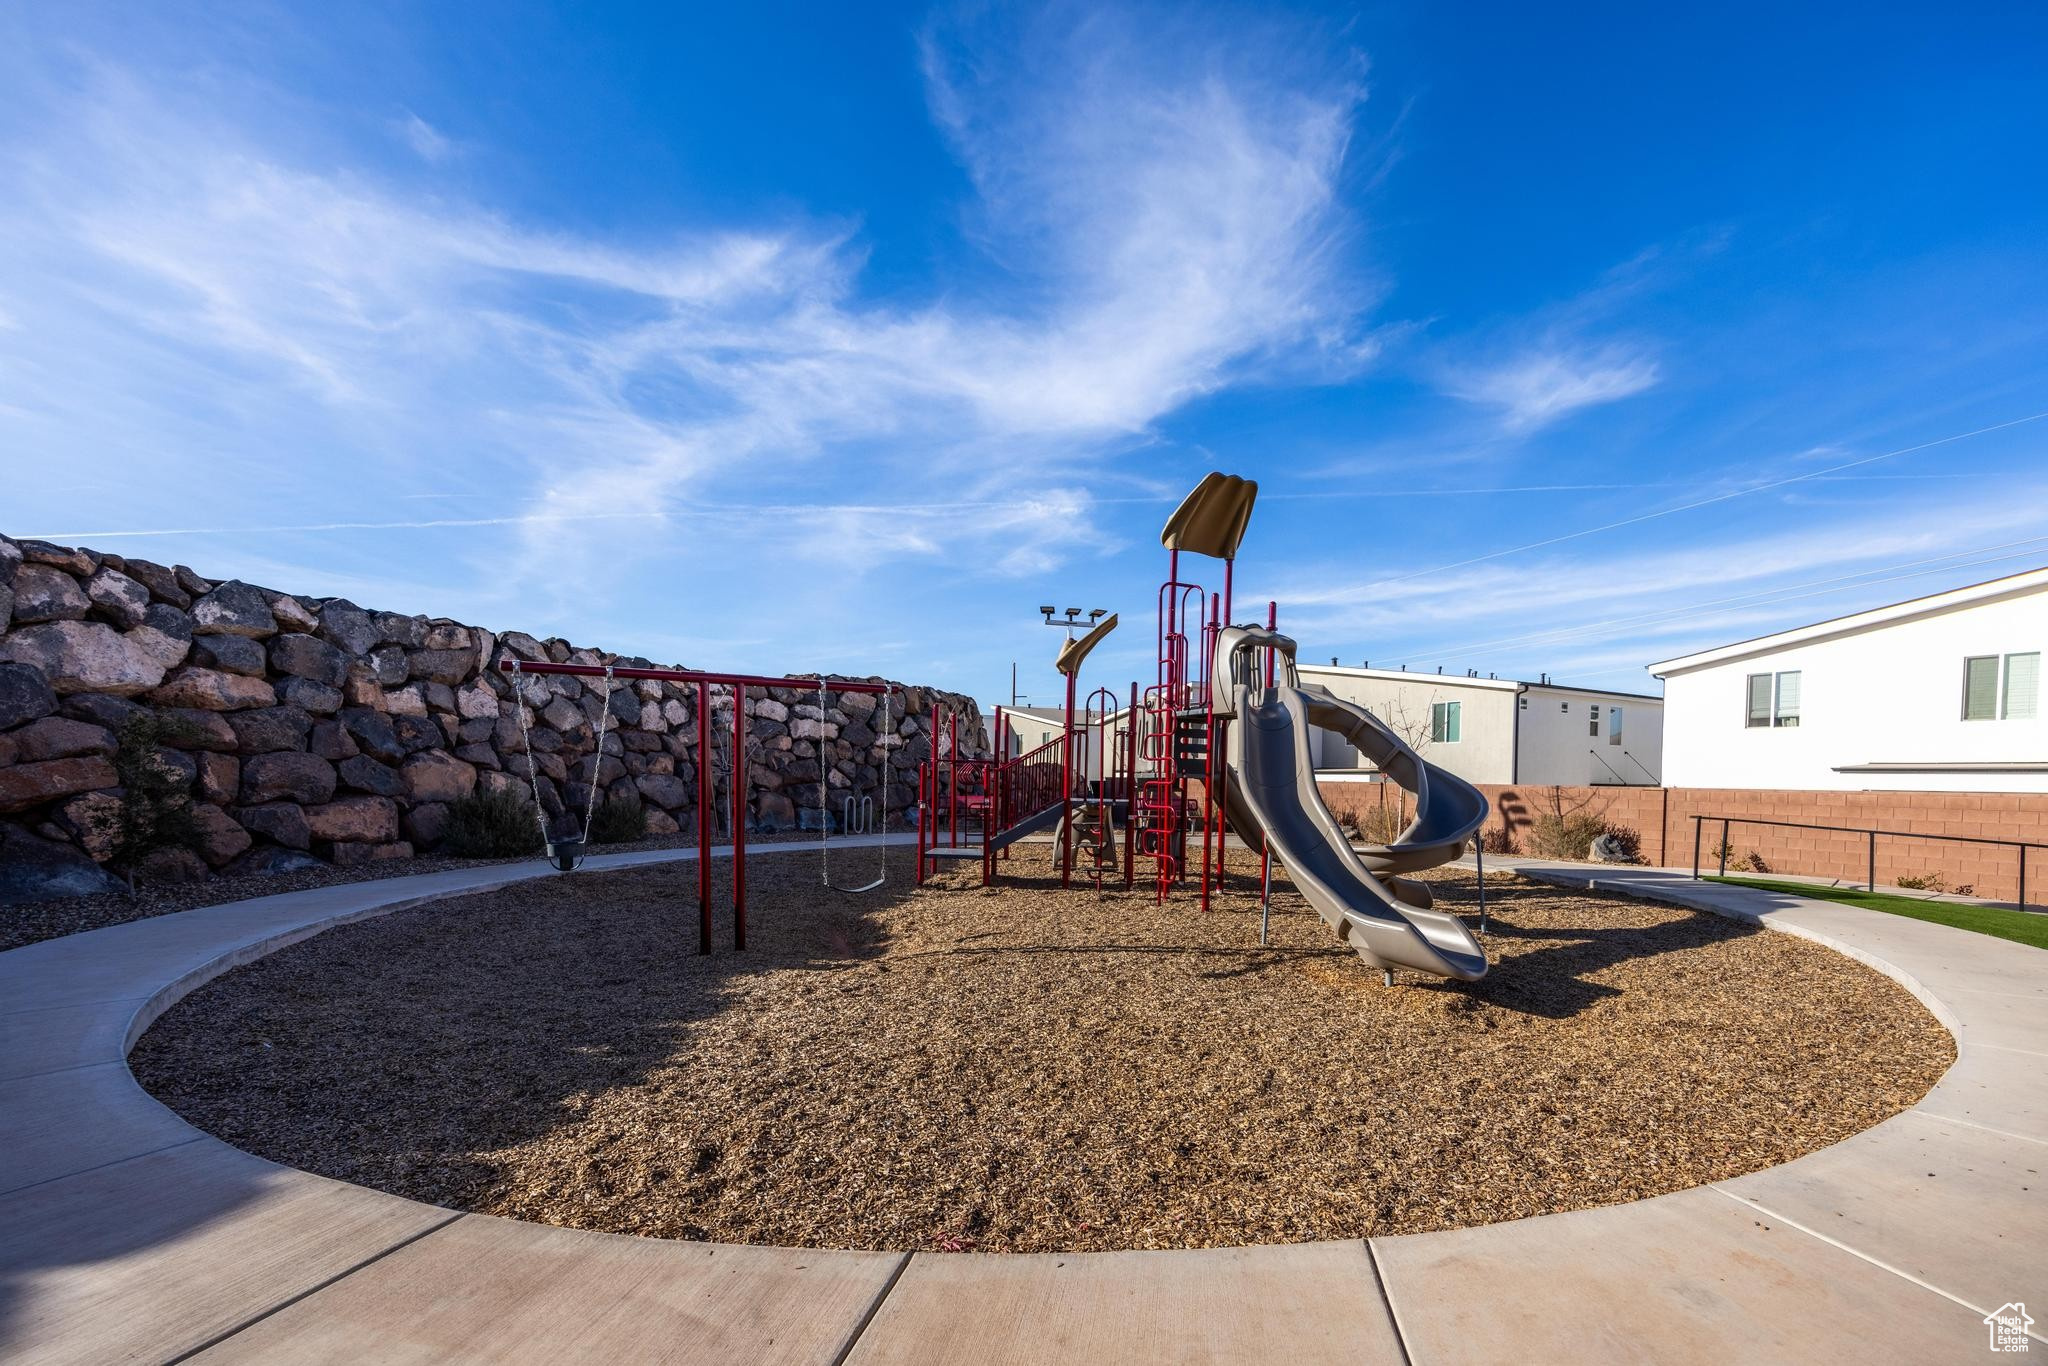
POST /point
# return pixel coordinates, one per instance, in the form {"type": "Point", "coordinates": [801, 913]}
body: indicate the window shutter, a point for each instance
{"type": "Point", "coordinates": [1980, 688]}
{"type": "Point", "coordinates": [2022, 683]}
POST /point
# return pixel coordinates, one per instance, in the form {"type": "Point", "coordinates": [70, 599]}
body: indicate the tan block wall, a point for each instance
{"type": "Point", "coordinates": [1663, 817]}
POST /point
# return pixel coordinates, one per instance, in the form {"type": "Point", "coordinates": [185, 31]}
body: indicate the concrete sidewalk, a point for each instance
{"type": "Point", "coordinates": [127, 1235]}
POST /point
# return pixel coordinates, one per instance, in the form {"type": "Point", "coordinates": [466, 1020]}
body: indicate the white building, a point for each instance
{"type": "Point", "coordinates": [1489, 730]}
{"type": "Point", "coordinates": [1941, 693]}
{"type": "Point", "coordinates": [1029, 728]}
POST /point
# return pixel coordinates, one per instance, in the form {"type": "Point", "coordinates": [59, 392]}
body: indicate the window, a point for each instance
{"type": "Point", "coordinates": [1444, 722]}
{"type": "Point", "coordinates": [1525, 701]}
{"type": "Point", "coordinates": [2011, 692]}
{"type": "Point", "coordinates": [1773, 699]}
{"type": "Point", "coordinates": [2022, 682]}
{"type": "Point", "coordinates": [1593, 725]}
{"type": "Point", "coordinates": [1614, 725]}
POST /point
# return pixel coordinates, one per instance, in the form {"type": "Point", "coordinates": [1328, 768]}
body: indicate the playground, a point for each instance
{"type": "Point", "coordinates": [1218, 1076]}
{"type": "Point", "coordinates": [1031, 1070]}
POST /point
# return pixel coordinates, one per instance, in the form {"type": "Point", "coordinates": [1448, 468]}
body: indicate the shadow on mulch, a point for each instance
{"type": "Point", "coordinates": [529, 1002]}
{"type": "Point", "coordinates": [1553, 982]}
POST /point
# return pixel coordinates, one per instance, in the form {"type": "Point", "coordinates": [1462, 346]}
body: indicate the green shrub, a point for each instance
{"type": "Point", "coordinates": [155, 814]}
{"type": "Point", "coordinates": [492, 825]}
{"type": "Point", "coordinates": [620, 819]}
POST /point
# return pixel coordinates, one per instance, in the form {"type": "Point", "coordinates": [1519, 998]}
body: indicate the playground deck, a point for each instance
{"type": "Point", "coordinates": [126, 1234]}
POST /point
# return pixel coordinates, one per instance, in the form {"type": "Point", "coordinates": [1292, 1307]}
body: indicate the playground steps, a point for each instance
{"type": "Point", "coordinates": [1191, 743]}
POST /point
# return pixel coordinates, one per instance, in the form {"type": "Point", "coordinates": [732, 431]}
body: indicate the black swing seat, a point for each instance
{"type": "Point", "coordinates": [565, 854]}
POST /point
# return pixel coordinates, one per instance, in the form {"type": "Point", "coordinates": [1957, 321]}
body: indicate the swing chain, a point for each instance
{"type": "Point", "coordinates": [825, 799]}
{"type": "Point", "coordinates": [604, 717]}
{"type": "Point", "coordinates": [526, 734]}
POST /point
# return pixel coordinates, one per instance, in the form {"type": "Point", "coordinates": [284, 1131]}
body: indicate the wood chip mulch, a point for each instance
{"type": "Point", "coordinates": [1026, 1069]}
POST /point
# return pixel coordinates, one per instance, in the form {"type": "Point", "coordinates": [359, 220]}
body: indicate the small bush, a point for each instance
{"type": "Point", "coordinates": [1966, 889]}
{"type": "Point", "coordinates": [1756, 863]}
{"type": "Point", "coordinates": [492, 825]}
{"type": "Point", "coordinates": [1499, 839]}
{"type": "Point", "coordinates": [1930, 882]}
{"type": "Point", "coordinates": [1566, 835]}
{"type": "Point", "coordinates": [1383, 823]}
{"type": "Point", "coordinates": [620, 819]}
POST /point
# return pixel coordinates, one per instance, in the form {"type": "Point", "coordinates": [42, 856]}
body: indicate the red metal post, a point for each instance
{"type": "Point", "coordinates": [739, 817]}
{"type": "Point", "coordinates": [1228, 567]}
{"type": "Point", "coordinates": [703, 816]}
{"type": "Point", "coordinates": [1265, 852]}
{"type": "Point", "coordinates": [1131, 789]}
{"type": "Point", "coordinates": [924, 820]}
{"type": "Point", "coordinates": [1209, 746]}
{"type": "Point", "coordinates": [1067, 793]}
{"type": "Point", "coordinates": [953, 788]}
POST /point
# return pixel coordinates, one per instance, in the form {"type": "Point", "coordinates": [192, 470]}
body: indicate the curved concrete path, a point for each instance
{"type": "Point", "coordinates": [127, 1235]}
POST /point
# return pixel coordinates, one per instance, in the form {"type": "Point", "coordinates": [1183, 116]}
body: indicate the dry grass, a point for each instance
{"type": "Point", "coordinates": [1030, 1070]}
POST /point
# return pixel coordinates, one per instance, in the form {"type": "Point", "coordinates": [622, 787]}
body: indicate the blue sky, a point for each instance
{"type": "Point", "coordinates": [841, 337]}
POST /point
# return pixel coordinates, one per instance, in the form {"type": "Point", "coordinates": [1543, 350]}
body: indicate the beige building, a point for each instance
{"type": "Point", "coordinates": [1499, 730]}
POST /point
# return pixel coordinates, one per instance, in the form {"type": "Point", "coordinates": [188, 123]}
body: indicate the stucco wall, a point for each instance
{"type": "Point", "coordinates": [1886, 695]}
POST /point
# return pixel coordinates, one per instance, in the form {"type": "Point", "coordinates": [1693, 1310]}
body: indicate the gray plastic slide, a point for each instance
{"type": "Point", "coordinates": [1270, 795]}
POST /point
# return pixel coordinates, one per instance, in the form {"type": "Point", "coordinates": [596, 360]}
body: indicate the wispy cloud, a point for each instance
{"type": "Point", "coordinates": [1654, 601]}
{"type": "Point", "coordinates": [1166, 211]}
{"type": "Point", "coordinates": [1535, 388]}
{"type": "Point", "coordinates": [426, 141]}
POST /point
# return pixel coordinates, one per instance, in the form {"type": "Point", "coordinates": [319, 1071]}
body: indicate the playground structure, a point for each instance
{"type": "Point", "coordinates": [567, 853]}
{"type": "Point", "coordinates": [1219, 743]}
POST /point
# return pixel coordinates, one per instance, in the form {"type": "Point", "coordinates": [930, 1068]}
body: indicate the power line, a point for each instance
{"type": "Point", "coordinates": [1783, 593]}
{"type": "Point", "coordinates": [1705, 502]}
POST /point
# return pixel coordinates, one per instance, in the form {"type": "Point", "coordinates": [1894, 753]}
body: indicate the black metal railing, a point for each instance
{"type": "Point", "coordinates": [1871, 836]}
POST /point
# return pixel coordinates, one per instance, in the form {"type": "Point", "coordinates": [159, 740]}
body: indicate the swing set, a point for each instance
{"type": "Point", "coordinates": [568, 854]}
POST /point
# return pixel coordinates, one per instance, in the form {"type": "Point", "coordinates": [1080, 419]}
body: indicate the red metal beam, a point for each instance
{"type": "Point", "coordinates": [512, 664]}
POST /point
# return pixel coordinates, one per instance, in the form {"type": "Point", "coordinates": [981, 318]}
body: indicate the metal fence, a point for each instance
{"type": "Point", "coordinates": [1872, 836]}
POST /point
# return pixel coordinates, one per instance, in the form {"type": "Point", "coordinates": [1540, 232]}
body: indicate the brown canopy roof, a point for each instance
{"type": "Point", "coordinates": [1212, 519]}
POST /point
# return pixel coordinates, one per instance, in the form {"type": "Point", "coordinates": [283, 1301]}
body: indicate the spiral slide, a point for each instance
{"type": "Point", "coordinates": [1270, 798]}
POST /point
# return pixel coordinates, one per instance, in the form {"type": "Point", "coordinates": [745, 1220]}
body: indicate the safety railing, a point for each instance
{"type": "Point", "coordinates": [1871, 837]}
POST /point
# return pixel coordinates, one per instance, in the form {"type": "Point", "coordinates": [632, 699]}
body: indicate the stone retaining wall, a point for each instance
{"type": "Point", "coordinates": [311, 728]}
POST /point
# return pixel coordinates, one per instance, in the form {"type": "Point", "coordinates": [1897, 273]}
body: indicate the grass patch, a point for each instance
{"type": "Point", "coordinates": [2020, 927]}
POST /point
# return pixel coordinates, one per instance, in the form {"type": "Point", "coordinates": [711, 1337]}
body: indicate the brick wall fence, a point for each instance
{"type": "Point", "coordinates": [1663, 817]}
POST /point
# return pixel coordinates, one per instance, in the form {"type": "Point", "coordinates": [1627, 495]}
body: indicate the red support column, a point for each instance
{"type": "Point", "coordinates": [924, 820]}
{"type": "Point", "coordinates": [1067, 792]}
{"type": "Point", "coordinates": [953, 788]}
{"type": "Point", "coordinates": [703, 817]}
{"type": "Point", "coordinates": [1131, 790]}
{"type": "Point", "coordinates": [739, 817]}
{"type": "Point", "coordinates": [1266, 853]}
